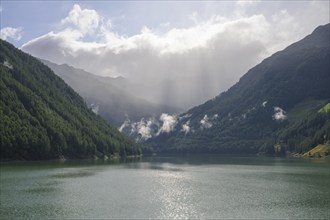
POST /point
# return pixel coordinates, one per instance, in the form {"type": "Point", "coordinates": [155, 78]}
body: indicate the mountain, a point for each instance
{"type": "Point", "coordinates": [274, 108]}
{"type": "Point", "coordinates": [108, 96]}
{"type": "Point", "coordinates": [43, 118]}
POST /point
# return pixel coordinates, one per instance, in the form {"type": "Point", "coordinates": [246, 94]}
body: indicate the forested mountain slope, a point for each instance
{"type": "Point", "coordinates": [43, 118]}
{"type": "Point", "coordinates": [274, 108]}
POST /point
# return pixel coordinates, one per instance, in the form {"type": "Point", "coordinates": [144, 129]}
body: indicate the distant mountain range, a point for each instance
{"type": "Point", "coordinates": [43, 118]}
{"type": "Point", "coordinates": [279, 106]}
{"type": "Point", "coordinates": [112, 98]}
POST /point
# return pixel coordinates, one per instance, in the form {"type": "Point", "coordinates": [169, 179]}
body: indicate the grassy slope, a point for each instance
{"type": "Point", "coordinates": [325, 109]}
{"type": "Point", "coordinates": [304, 109]}
{"type": "Point", "coordinates": [320, 150]}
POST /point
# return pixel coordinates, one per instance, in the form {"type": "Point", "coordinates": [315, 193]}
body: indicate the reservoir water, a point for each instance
{"type": "Point", "coordinates": [167, 188]}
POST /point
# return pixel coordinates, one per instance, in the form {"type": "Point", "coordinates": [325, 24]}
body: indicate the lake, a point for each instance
{"type": "Point", "coordinates": [207, 187]}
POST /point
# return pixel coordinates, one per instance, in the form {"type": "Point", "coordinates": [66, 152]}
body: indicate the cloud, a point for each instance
{"type": "Point", "coordinates": [185, 116]}
{"type": "Point", "coordinates": [85, 20]}
{"type": "Point", "coordinates": [191, 59]}
{"type": "Point", "coordinates": [95, 108]}
{"type": "Point", "coordinates": [279, 114]}
{"type": "Point", "coordinates": [7, 64]}
{"type": "Point", "coordinates": [142, 128]}
{"type": "Point", "coordinates": [10, 32]}
{"type": "Point", "coordinates": [205, 57]}
{"type": "Point", "coordinates": [124, 125]}
{"type": "Point", "coordinates": [205, 122]}
{"type": "Point", "coordinates": [169, 122]}
{"type": "Point", "coordinates": [147, 128]}
{"type": "Point", "coordinates": [186, 127]}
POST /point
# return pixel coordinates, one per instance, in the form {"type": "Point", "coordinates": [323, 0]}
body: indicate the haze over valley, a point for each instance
{"type": "Point", "coordinates": [180, 64]}
{"type": "Point", "coordinates": [109, 97]}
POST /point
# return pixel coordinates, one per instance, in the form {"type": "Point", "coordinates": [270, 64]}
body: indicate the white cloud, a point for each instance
{"type": "Point", "coordinates": [264, 104]}
{"type": "Point", "coordinates": [205, 122]}
{"type": "Point", "coordinates": [279, 114]}
{"type": "Point", "coordinates": [10, 32]}
{"type": "Point", "coordinates": [95, 108]}
{"type": "Point", "coordinates": [147, 128]}
{"type": "Point", "coordinates": [186, 127]}
{"type": "Point", "coordinates": [185, 116]}
{"type": "Point", "coordinates": [206, 57]}
{"type": "Point", "coordinates": [198, 54]}
{"type": "Point", "coordinates": [85, 20]}
{"type": "Point", "coordinates": [169, 122]}
{"type": "Point", "coordinates": [7, 64]}
{"type": "Point", "coordinates": [143, 128]}
{"type": "Point", "coordinates": [124, 125]}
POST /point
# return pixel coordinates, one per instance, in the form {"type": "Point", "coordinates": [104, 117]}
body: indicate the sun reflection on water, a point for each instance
{"type": "Point", "coordinates": [176, 196]}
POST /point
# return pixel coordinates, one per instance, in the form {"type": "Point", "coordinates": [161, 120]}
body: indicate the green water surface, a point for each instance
{"type": "Point", "coordinates": [208, 187]}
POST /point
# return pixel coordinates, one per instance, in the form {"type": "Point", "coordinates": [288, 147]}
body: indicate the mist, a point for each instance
{"type": "Point", "coordinates": [176, 66]}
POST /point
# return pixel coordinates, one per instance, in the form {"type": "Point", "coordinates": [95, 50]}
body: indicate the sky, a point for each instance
{"type": "Point", "coordinates": [196, 48]}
